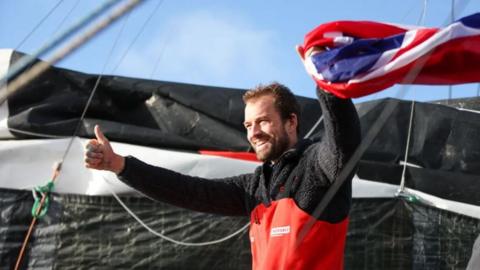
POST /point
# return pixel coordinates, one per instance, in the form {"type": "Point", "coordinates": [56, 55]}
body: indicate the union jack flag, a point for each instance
{"type": "Point", "coordinates": [363, 57]}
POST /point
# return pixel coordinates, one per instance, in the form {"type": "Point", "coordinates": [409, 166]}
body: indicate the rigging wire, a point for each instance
{"type": "Point", "coordinates": [161, 52]}
{"type": "Point", "coordinates": [94, 90]}
{"type": "Point", "coordinates": [404, 17]}
{"type": "Point", "coordinates": [452, 19]}
{"type": "Point", "coordinates": [28, 60]}
{"type": "Point", "coordinates": [37, 134]}
{"type": "Point", "coordinates": [401, 189]}
{"type": "Point", "coordinates": [24, 40]}
{"type": "Point", "coordinates": [41, 67]}
{"type": "Point", "coordinates": [67, 15]}
{"type": "Point", "coordinates": [36, 214]}
{"type": "Point", "coordinates": [142, 28]}
{"type": "Point", "coordinates": [452, 11]}
{"type": "Point", "coordinates": [35, 28]}
{"type": "Point", "coordinates": [421, 20]}
{"type": "Point", "coordinates": [314, 127]}
{"type": "Point", "coordinates": [163, 236]}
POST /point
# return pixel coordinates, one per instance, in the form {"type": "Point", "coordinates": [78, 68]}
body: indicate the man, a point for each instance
{"type": "Point", "coordinates": [281, 195]}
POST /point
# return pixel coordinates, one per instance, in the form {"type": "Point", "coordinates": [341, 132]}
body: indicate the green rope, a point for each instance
{"type": "Point", "coordinates": [42, 191]}
{"type": "Point", "coordinates": [412, 198]}
{"type": "Point", "coordinates": [408, 197]}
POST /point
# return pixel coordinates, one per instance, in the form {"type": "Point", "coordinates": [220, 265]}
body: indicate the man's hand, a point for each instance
{"type": "Point", "coordinates": [99, 154]}
{"type": "Point", "coordinates": [305, 54]}
{"type": "Point", "coordinates": [313, 50]}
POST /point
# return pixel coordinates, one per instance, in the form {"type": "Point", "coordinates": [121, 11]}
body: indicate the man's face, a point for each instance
{"type": "Point", "coordinates": [266, 132]}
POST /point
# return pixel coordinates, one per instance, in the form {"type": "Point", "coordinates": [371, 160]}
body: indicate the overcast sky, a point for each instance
{"type": "Point", "coordinates": [222, 43]}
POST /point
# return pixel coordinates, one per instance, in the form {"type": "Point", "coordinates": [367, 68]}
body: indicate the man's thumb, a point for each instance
{"type": "Point", "coordinates": [99, 134]}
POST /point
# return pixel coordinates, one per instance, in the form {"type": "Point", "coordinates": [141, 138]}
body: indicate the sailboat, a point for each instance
{"type": "Point", "coordinates": [411, 209]}
{"type": "Point", "coordinates": [415, 193]}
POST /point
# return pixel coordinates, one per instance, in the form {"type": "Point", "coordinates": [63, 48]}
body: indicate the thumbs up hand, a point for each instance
{"type": "Point", "coordinates": [99, 154]}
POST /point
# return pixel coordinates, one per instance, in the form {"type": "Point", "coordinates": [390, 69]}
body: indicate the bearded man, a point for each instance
{"type": "Point", "coordinates": [281, 195]}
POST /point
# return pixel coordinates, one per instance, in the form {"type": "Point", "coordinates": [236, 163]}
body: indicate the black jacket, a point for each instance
{"type": "Point", "coordinates": [310, 166]}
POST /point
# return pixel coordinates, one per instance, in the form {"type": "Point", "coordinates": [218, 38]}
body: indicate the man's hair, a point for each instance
{"type": "Point", "coordinates": [285, 101]}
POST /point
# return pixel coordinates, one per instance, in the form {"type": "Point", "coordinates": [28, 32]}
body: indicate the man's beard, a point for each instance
{"type": "Point", "coordinates": [277, 148]}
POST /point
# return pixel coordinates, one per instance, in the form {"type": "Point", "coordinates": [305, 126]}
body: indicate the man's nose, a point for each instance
{"type": "Point", "coordinates": [256, 130]}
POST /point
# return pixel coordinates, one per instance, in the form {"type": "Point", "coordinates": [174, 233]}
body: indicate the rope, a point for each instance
{"type": "Point", "coordinates": [406, 14]}
{"type": "Point", "coordinates": [421, 20]}
{"type": "Point", "coordinates": [161, 52]}
{"type": "Point", "coordinates": [138, 35]}
{"type": "Point", "coordinates": [86, 106]}
{"type": "Point", "coordinates": [452, 18]}
{"type": "Point", "coordinates": [38, 134]}
{"type": "Point", "coordinates": [94, 90]}
{"type": "Point", "coordinates": [39, 210]}
{"type": "Point", "coordinates": [409, 197]}
{"type": "Point", "coordinates": [452, 11]}
{"type": "Point", "coordinates": [41, 67]}
{"type": "Point", "coordinates": [163, 236]}
{"type": "Point", "coordinates": [67, 15]}
{"type": "Point", "coordinates": [401, 190]}
{"type": "Point", "coordinates": [28, 60]}
{"type": "Point", "coordinates": [38, 24]}
{"type": "Point", "coordinates": [309, 133]}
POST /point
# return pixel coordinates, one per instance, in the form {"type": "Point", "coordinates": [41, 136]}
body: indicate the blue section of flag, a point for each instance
{"type": "Point", "coordinates": [472, 20]}
{"type": "Point", "coordinates": [343, 63]}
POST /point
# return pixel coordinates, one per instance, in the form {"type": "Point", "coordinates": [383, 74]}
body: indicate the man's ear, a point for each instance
{"type": "Point", "coordinates": [293, 123]}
